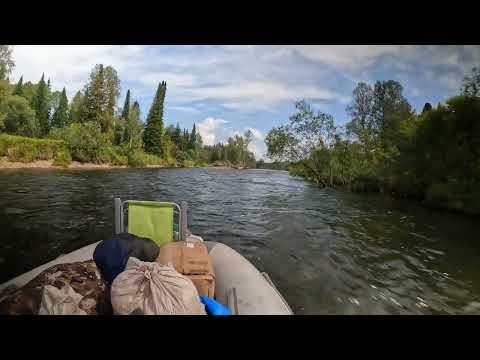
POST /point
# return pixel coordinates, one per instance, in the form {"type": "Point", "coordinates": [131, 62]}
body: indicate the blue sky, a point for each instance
{"type": "Point", "coordinates": [228, 89]}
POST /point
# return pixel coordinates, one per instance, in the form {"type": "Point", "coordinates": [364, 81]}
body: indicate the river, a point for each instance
{"type": "Point", "coordinates": [328, 251]}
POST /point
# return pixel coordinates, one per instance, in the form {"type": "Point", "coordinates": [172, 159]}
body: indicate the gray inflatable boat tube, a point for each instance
{"type": "Point", "coordinates": [238, 284]}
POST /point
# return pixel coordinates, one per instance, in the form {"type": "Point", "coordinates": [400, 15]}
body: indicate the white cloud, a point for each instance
{"type": "Point", "coordinates": [173, 80]}
{"type": "Point", "coordinates": [259, 95]}
{"type": "Point", "coordinates": [70, 65]}
{"type": "Point", "coordinates": [238, 81]}
{"type": "Point", "coordinates": [209, 130]}
{"type": "Point", "coordinates": [187, 109]}
{"type": "Point", "coordinates": [249, 78]}
{"type": "Point", "coordinates": [347, 57]}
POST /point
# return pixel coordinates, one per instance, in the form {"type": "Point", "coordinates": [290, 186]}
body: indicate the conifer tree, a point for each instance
{"type": "Point", "coordinates": [60, 118]}
{"type": "Point", "coordinates": [40, 104]}
{"type": "Point", "coordinates": [153, 134]}
{"type": "Point", "coordinates": [193, 138]}
{"type": "Point", "coordinates": [19, 87]}
{"type": "Point", "coordinates": [126, 106]}
{"type": "Point", "coordinates": [95, 104]}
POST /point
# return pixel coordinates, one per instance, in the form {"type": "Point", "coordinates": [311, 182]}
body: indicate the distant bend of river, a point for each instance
{"type": "Point", "coordinates": [329, 252]}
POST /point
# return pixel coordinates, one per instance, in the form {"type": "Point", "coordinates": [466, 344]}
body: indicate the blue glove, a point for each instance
{"type": "Point", "coordinates": [213, 307]}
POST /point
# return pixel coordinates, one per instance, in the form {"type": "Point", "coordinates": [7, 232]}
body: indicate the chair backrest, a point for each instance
{"type": "Point", "coordinates": [151, 219]}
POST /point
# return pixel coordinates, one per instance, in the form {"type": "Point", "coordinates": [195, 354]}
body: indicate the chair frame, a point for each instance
{"type": "Point", "coordinates": [182, 217]}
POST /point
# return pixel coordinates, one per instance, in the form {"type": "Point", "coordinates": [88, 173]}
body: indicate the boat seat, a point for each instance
{"type": "Point", "coordinates": [151, 219]}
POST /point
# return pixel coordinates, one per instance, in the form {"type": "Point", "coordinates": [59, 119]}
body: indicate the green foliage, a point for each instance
{"type": "Point", "coordinates": [176, 136]}
{"type": "Point", "coordinates": [153, 133]}
{"type": "Point", "coordinates": [471, 83]}
{"type": "Point", "coordinates": [235, 152]}
{"type": "Point", "coordinates": [276, 165]}
{"type": "Point", "coordinates": [5, 89]}
{"type": "Point", "coordinates": [18, 117]}
{"type": "Point", "coordinates": [389, 109]}
{"type": "Point", "coordinates": [85, 141]}
{"type": "Point", "coordinates": [132, 134]}
{"type": "Point", "coordinates": [6, 62]}
{"type": "Point", "coordinates": [41, 105]}
{"type": "Point", "coordinates": [192, 144]}
{"type": "Point", "coordinates": [305, 132]}
{"type": "Point", "coordinates": [188, 163]}
{"type": "Point", "coordinates": [24, 149]}
{"type": "Point", "coordinates": [60, 118]}
{"type": "Point", "coordinates": [433, 157]}
{"type": "Point", "coordinates": [92, 131]}
{"type": "Point", "coordinates": [139, 158]}
{"type": "Point", "coordinates": [29, 90]}
{"type": "Point", "coordinates": [76, 108]}
{"type": "Point", "coordinates": [100, 98]}
{"type": "Point", "coordinates": [126, 106]}
{"type": "Point", "coordinates": [19, 87]}
{"type": "Point", "coordinates": [55, 98]}
{"type": "Point", "coordinates": [113, 155]}
{"type": "Point", "coordinates": [62, 158]}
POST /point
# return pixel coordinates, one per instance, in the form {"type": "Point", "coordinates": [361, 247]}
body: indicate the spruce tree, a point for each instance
{"type": "Point", "coordinates": [40, 104]}
{"type": "Point", "coordinates": [153, 134]}
{"type": "Point", "coordinates": [177, 136]}
{"type": "Point", "coordinates": [61, 116]}
{"type": "Point", "coordinates": [193, 138]}
{"type": "Point", "coordinates": [126, 106]}
{"type": "Point", "coordinates": [19, 87]}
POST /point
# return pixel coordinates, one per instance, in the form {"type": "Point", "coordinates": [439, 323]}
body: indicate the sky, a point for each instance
{"type": "Point", "coordinates": [226, 90]}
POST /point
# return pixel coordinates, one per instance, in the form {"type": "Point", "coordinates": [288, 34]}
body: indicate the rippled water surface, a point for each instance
{"type": "Point", "coordinates": [329, 252]}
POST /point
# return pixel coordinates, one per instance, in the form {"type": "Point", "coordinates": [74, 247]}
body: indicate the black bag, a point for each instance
{"type": "Point", "coordinates": [111, 255]}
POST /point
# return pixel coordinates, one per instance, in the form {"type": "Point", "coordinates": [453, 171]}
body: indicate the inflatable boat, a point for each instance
{"type": "Point", "coordinates": [238, 284]}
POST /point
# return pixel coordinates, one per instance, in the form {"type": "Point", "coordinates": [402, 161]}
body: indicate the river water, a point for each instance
{"type": "Point", "coordinates": [328, 251]}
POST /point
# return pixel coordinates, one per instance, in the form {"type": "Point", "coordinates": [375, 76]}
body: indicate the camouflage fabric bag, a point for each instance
{"type": "Point", "coordinates": [83, 277]}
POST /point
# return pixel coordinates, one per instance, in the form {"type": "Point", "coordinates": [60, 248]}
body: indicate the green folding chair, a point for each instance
{"type": "Point", "coordinates": [152, 219]}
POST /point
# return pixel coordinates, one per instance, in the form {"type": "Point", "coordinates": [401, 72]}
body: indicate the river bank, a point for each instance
{"type": "Point", "coordinates": [463, 203]}
{"type": "Point", "coordinates": [5, 163]}
{"type": "Point", "coordinates": [74, 165]}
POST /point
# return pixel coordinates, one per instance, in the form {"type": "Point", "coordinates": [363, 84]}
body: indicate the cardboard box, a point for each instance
{"type": "Point", "coordinates": [192, 260]}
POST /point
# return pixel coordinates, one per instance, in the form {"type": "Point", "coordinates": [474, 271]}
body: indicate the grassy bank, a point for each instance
{"type": "Point", "coordinates": [25, 152]}
{"type": "Point", "coordinates": [20, 151]}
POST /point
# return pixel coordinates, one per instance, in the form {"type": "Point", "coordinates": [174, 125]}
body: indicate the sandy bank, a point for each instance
{"type": "Point", "coordinates": [48, 164]}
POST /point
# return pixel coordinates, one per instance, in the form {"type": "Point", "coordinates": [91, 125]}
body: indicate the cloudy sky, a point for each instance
{"type": "Point", "coordinates": [228, 89]}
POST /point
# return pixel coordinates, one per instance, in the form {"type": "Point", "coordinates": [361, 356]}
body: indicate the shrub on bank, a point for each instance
{"type": "Point", "coordinates": [62, 159]}
{"type": "Point", "coordinates": [24, 149]}
{"type": "Point", "coordinates": [113, 155]}
{"type": "Point", "coordinates": [139, 159]}
{"type": "Point", "coordinates": [188, 163]}
{"type": "Point", "coordinates": [454, 196]}
{"type": "Point", "coordinates": [86, 142]}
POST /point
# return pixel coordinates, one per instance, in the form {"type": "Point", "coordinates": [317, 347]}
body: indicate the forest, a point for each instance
{"type": "Point", "coordinates": [432, 156]}
{"type": "Point", "coordinates": [37, 123]}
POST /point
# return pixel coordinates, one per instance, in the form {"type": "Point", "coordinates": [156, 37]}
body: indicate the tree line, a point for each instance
{"type": "Point", "coordinates": [433, 156]}
{"type": "Point", "coordinates": [96, 130]}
